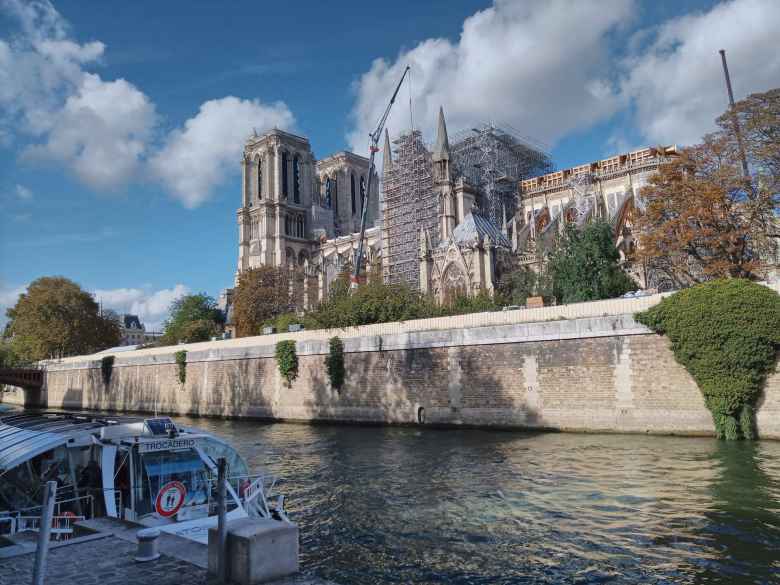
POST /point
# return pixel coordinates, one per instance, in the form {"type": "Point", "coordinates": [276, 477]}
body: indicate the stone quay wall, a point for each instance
{"type": "Point", "coordinates": [582, 367]}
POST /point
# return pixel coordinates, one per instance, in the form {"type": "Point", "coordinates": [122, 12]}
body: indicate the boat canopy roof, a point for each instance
{"type": "Point", "coordinates": [25, 435]}
{"type": "Point", "coordinates": [18, 445]}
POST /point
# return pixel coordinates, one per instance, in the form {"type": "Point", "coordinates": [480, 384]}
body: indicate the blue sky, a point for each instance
{"type": "Point", "coordinates": [121, 123]}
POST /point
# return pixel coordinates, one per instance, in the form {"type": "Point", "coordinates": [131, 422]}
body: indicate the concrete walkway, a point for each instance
{"type": "Point", "coordinates": [107, 558]}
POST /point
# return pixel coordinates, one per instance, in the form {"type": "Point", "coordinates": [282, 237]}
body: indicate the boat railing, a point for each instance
{"type": "Point", "coordinates": [253, 491]}
{"type": "Point", "coordinates": [62, 526]}
{"type": "Point", "coordinates": [86, 503]}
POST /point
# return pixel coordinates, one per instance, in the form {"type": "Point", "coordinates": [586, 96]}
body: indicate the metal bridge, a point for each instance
{"type": "Point", "coordinates": [22, 377]}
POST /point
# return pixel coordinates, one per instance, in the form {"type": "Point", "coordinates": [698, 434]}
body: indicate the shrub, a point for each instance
{"type": "Point", "coordinates": [106, 368]}
{"type": "Point", "coordinates": [726, 333]}
{"type": "Point", "coordinates": [287, 360]}
{"type": "Point", "coordinates": [181, 362]}
{"type": "Point", "coordinates": [372, 302]}
{"type": "Point", "coordinates": [464, 304]}
{"type": "Point", "coordinates": [334, 363]}
{"type": "Point", "coordinates": [282, 322]}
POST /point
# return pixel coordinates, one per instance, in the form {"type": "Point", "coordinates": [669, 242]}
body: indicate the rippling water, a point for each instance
{"type": "Point", "coordinates": [406, 505]}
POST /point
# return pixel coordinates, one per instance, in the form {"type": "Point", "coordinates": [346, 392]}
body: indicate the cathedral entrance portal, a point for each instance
{"type": "Point", "coordinates": [454, 284]}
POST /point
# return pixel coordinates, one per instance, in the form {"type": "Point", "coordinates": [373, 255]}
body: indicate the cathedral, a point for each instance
{"type": "Point", "coordinates": [447, 219]}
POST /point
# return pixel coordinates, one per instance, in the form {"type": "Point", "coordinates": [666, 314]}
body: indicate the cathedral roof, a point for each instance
{"type": "Point", "coordinates": [476, 227]}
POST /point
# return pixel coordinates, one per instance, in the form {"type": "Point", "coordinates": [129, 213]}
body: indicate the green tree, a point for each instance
{"type": "Point", "coordinates": [8, 357]}
{"type": "Point", "coordinates": [56, 317]}
{"type": "Point", "coordinates": [583, 266]}
{"type": "Point", "coordinates": [726, 333]}
{"type": "Point", "coordinates": [516, 286]}
{"type": "Point", "coordinates": [262, 294]}
{"type": "Point", "coordinates": [372, 302]}
{"type": "Point", "coordinates": [192, 318]}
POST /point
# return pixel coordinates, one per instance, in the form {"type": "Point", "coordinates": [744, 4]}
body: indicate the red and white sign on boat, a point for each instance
{"type": "Point", "coordinates": [170, 498]}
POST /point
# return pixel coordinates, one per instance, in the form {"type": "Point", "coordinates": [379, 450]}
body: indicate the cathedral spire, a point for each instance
{"type": "Point", "coordinates": [442, 149]}
{"type": "Point", "coordinates": [387, 159]}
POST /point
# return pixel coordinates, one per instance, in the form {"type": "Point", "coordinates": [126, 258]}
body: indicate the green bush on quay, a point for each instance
{"type": "Point", "coordinates": [287, 360]}
{"type": "Point", "coordinates": [726, 333]}
{"type": "Point", "coordinates": [181, 362]}
{"type": "Point", "coordinates": [334, 363]}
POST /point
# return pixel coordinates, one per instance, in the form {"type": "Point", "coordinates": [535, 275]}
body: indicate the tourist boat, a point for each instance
{"type": "Point", "coordinates": [150, 471]}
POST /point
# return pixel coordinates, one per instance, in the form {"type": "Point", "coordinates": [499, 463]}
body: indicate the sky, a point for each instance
{"type": "Point", "coordinates": [122, 124]}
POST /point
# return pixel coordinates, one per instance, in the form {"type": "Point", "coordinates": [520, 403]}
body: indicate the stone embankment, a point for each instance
{"type": "Point", "coordinates": [583, 367]}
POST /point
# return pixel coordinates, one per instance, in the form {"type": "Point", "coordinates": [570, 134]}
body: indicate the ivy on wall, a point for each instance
{"type": "Point", "coordinates": [181, 362]}
{"type": "Point", "coordinates": [334, 363]}
{"type": "Point", "coordinates": [726, 333]}
{"type": "Point", "coordinates": [107, 368]}
{"type": "Point", "coordinates": [287, 360]}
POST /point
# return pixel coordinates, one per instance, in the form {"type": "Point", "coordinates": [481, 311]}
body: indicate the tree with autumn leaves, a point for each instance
{"type": "Point", "coordinates": [700, 217]}
{"type": "Point", "coordinates": [262, 294]}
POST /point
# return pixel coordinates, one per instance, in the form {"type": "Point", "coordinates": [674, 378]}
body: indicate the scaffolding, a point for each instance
{"type": "Point", "coordinates": [493, 159]}
{"type": "Point", "coordinates": [410, 203]}
{"type": "Point", "coordinates": [490, 159]}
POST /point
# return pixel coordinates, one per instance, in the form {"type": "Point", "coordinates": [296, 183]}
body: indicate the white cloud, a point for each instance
{"type": "Point", "coordinates": [101, 132]}
{"type": "Point", "coordinates": [541, 67]}
{"type": "Point", "coordinates": [23, 193]}
{"type": "Point", "coordinates": [198, 157]}
{"type": "Point", "coordinates": [104, 131]}
{"type": "Point", "coordinates": [675, 80]}
{"type": "Point", "coordinates": [151, 306]}
{"type": "Point", "coordinates": [8, 297]}
{"type": "Point", "coordinates": [97, 129]}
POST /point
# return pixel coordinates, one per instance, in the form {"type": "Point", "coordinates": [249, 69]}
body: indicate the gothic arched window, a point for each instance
{"type": "Point", "coordinates": [335, 195]}
{"type": "Point", "coordinates": [260, 178]}
{"type": "Point", "coordinates": [328, 193]}
{"type": "Point", "coordinates": [284, 175]}
{"type": "Point", "coordinates": [296, 179]}
{"type": "Point", "coordinates": [287, 230]}
{"type": "Point", "coordinates": [362, 193]}
{"type": "Point", "coordinates": [352, 193]}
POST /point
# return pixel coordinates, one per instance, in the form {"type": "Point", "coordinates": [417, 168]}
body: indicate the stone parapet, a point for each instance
{"type": "Point", "coordinates": [593, 373]}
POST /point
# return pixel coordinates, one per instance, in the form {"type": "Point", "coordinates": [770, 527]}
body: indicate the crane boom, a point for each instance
{"type": "Point", "coordinates": [373, 149]}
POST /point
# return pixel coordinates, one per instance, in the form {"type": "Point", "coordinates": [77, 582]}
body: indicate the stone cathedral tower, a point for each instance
{"type": "Point", "coordinates": [299, 212]}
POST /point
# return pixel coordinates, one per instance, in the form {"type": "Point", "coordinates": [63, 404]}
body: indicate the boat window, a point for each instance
{"type": "Point", "coordinates": [22, 486]}
{"type": "Point", "coordinates": [161, 468]}
{"type": "Point", "coordinates": [236, 467]}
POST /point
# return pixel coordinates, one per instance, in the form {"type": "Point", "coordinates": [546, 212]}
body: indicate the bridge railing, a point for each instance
{"type": "Point", "coordinates": [23, 377]}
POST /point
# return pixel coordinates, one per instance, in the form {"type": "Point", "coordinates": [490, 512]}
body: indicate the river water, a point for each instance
{"type": "Point", "coordinates": [413, 505]}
